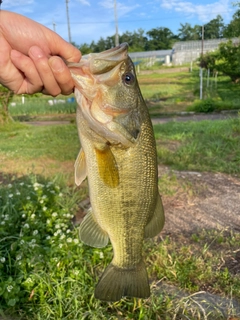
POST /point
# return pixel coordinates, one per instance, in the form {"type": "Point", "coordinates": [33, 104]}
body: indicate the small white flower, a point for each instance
{"type": "Point", "coordinates": [29, 280]}
{"type": "Point", "coordinates": [2, 259]}
{"type": "Point", "coordinates": [26, 225]}
{"type": "Point", "coordinates": [60, 194]}
{"type": "Point", "coordinates": [52, 191]}
{"type": "Point", "coordinates": [22, 241]}
{"type": "Point", "coordinates": [101, 256]}
{"type": "Point", "coordinates": [76, 241]}
{"type": "Point", "coordinates": [69, 240]}
{"type": "Point", "coordinates": [62, 236]}
{"type": "Point", "coordinates": [68, 231]}
{"type": "Point", "coordinates": [54, 214]}
{"type": "Point", "coordinates": [44, 196]}
{"type": "Point", "coordinates": [28, 198]}
{"type": "Point", "coordinates": [21, 183]}
{"type": "Point", "coordinates": [33, 216]}
{"type": "Point", "coordinates": [57, 226]}
{"type": "Point", "coordinates": [61, 245]}
{"type": "Point", "coordinates": [35, 232]}
{"type": "Point", "coordinates": [44, 208]}
{"type": "Point", "coordinates": [9, 288]}
{"type": "Point", "coordinates": [19, 257]}
{"type": "Point", "coordinates": [6, 217]}
{"type": "Point", "coordinates": [48, 238]}
{"type": "Point", "coordinates": [23, 215]}
{"type": "Point", "coordinates": [2, 223]}
{"type": "Point", "coordinates": [18, 193]}
{"type": "Point", "coordinates": [10, 195]}
{"type": "Point", "coordinates": [9, 185]}
{"type": "Point", "coordinates": [41, 201]}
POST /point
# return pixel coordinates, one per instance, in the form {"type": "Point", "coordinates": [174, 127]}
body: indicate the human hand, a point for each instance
{"type": "Point", "coordinates": [30, 57]}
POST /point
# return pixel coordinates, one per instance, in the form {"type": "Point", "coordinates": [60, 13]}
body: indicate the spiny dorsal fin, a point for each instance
{"type": "Point", "coordinates": [107, 167]}
{"type": "Point", "coordinates": [91, 233]}
{"type": "Point", "coordinates": [80, 168]}
{"type": "Point", "coordinates": [156, 224]}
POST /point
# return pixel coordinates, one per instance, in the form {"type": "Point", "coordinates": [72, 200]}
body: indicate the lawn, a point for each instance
{"type": "Point", "coordinates": [47, 273]}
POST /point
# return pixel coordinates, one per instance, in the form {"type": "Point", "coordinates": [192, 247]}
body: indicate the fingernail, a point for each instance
{"type": "Point", "coordinates": [36, 52]}
{"type": "Point", "coordinates": [56, 64]}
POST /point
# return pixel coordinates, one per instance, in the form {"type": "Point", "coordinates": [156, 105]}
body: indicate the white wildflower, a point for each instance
{"type": "Point", "coordinates": [54, 214]}
{"type": "Point", "coordinates": [26, 225]}
{"type": "Point", "coordinates": [21, 183]}
{"type": "Point", "coordinates": [69, 240]}
{"type": "Point", "coordinates": [19, 257]}
{"type": "Point", "coordinates": [35, 232]}
{"type": "Point", "coordinates": [22, 241]}
{"type": "Point", "coordinates": [6, 217]}
{"type": "Point", "coordinates": [101, 256]}
{"type": "Point", "coordinates": [48, 238]}
{"type": "Point", "coordinates": [23, 215]}
{"type": "Point", "coordinates": [2, 259]}
{"type": "Point", "coordinates": [57, 226]}
{"type": "Point", "coordinates": [62, 236]}
{"type": "Point", "coordinates": [41, 201]}
{"type": "Point", "coordinates": [33, 216]}
{"type": "Point", "coordinates": [2, 223]}
{"type": "Point", "coordinates": [76, 241]}
{"type": "Point", "coordinates": [28, 198]}
{"type": "Point", "coordinates": [9, 288]}
{"type": "Point", "coordinates": [10, 195]}
{"type": "Point", "coordinates": [68, 231]}
{"type": "Point", "coordinates": [44, 196]}
{"type": "Point", "coordinates": [18, 193]}
{"type": "Point", "coordinates": [60, 194]}
{"type": "Point", "coordinates": [61, 245]}
{"type": "Point", "coordinates": [44, 208]}
{"type": "Point", "coordinates": [9, 185]}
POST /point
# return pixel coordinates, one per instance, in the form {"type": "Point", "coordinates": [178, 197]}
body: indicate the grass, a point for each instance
{"type": "Point", "coordinates": [46, 273]}
{"type": "Point", "coordinates": [200, 146]}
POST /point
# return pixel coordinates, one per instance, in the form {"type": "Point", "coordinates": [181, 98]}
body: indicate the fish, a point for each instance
{"type": "Point", "coordinates": [119, 159]}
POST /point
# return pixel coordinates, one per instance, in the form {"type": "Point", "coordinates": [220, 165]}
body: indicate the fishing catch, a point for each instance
{"type": "Point", "coordinates": [118, 157]}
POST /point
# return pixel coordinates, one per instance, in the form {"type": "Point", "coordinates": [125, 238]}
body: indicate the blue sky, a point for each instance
{"type": "Point", "coordinates": [92, 19]}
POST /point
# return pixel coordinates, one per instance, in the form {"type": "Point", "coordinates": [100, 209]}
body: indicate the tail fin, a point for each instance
{"type": "Point", "coordinates": [116, 283]}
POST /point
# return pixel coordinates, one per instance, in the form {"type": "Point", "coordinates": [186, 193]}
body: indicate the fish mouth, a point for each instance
{"type": "Point", "coordinates": [107, 60]}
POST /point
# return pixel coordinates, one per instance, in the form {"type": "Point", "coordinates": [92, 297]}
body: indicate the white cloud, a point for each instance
{"type": "Point", "coordinates": [9, 3]}
{"type": "Point", "coordinates": [84, 2]}
{"type": "Point", "coordinates": [203, 12]}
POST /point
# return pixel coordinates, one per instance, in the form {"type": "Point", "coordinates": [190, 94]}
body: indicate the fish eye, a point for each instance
{"type": "Point", "coordinates": [128, 78]}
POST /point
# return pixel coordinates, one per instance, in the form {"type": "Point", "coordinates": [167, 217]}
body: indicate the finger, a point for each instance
{"type": "Point", "coordinates": [28, 78]}
{"type": "Point", "coordinates": [45, 72]}
{"type": "Point", "coordinates": [62, 75]}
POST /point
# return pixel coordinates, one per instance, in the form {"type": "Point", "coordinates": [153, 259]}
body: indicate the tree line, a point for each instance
{"type": "Point", "coordinates": [162, 38]}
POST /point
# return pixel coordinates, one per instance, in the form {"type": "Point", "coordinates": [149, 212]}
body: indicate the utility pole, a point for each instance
{"type": "Point", "coordinates": [68, 22]}
{"type": "Point", "coordinates": [54, 26]}
{"type": "Point", "coordinates": [116, 24]}
{"type": "Point", "coordinates": [201, 70]}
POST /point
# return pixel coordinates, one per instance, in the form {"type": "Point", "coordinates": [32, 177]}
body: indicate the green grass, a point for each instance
{"type": "Point", "coordinates": [201, 146]}
{"type": "Point", "coordinates": [47, 273]}
{"type": "Point", "coordinates": [27, 142]}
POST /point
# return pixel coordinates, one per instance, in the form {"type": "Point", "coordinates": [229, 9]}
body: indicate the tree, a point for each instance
{"type": "Point", "coordinates": [187, 32]}
{"type": "Point", "coordinates": [226, 60]}
{"type": "Point", "coordinates": [160, 39]}
{"type": "Point", "coordinates": [214, 29]}
{"type": "Point", "coordinates": [233, 28]}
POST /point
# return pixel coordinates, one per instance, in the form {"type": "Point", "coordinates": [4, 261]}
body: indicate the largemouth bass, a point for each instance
{"type": "Point", "coordinates": [118, 157]}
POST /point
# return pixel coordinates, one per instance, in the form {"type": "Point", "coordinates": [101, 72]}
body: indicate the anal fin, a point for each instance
{"type": "Point", "coordinates": [156, 224]}
{"type": "Point", "coordinates": [91, 233]}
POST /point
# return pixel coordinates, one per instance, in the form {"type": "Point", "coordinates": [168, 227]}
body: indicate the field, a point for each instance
{"type": "Point", "coordinates": [47, 273]}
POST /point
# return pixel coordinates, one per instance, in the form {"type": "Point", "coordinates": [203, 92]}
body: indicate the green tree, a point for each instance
{"type": "Point", "coordinates": [226, 60]}
{"type": "Point", "coordinates": [233, 28]}
{"type": "Point", "coordinates": [187, 32]}
{"type": "Point", "coordinates": [160, 39]}
{"type": "Point", "coordinates": [214, 29]}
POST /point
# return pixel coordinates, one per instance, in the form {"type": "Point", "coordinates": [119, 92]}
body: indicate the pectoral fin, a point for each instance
{"type": "Point", "coordinates": [107, 167]}
{"type": "Point", "coordinates": [156, 224]}
{"type": "Point", "coordinates": [91, 233]}
{"type": "Point", "coordinates": [80, 168]}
